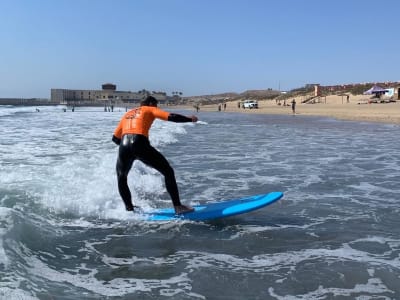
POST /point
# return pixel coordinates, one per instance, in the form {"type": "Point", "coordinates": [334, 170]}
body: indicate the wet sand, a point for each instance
{"type": "Point", "coordinates": [357, 109]}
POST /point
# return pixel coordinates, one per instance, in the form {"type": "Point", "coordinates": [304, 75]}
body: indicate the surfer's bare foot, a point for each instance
{"type": "Point", "coordinates": [130, 207]}
{"type": "Point", "coordinates": [183, 209]}
{"type": "Point", "coordinates": [133, 208]}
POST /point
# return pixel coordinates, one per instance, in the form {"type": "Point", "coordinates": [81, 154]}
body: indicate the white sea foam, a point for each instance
{"type": "Point", "coordinates": [78, 176]}
{"type": "Point", "coordinates": [15, 293]}
{"type": "Point", "coordinates": [86, 278]}
{"type": "Point", "coordinates": [201, 123]}
{"type": "Point", "coordinates": [276, 261]}
{"type": "Point", "coordinates": [373, 287]}
{"type": "Point", "coordinates": [5, 225]}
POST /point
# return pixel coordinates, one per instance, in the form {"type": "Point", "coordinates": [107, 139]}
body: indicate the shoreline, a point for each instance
{"type": "Point", "coordinates": [332, 107]}
{"type": "Point", "coordinates": [358, 109]}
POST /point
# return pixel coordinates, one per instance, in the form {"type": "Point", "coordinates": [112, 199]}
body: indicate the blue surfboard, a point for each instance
{"type": "Point", "coordinates": [216, 210]}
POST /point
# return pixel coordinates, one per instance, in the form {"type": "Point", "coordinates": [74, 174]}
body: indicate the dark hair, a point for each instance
{"type": "Point", "coordinates": [149, 101]}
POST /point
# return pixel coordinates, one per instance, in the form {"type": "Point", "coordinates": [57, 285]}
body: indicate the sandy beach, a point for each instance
{"type": "Point", "coordinates": [357, 109]}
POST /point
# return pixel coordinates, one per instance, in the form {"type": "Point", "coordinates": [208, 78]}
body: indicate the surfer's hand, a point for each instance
{"type": "Point", "coordinates": [194, 118]}
{"type": "Point", "coordinates": [116, 140]}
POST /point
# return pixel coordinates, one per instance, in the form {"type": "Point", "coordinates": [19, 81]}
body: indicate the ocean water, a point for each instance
{"type": "Point", "coordinates": [64, 233]}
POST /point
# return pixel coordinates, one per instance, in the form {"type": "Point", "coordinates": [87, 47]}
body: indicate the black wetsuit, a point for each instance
{"type": "Point", "coordinates": [137, 146]}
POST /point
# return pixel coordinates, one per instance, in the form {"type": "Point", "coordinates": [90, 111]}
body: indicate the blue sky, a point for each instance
{"type": "Point", "coordinates": [196, 47]}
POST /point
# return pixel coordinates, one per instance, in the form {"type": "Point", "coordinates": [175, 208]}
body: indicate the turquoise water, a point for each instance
{"type": "Point", "coordinates": [64, 233]}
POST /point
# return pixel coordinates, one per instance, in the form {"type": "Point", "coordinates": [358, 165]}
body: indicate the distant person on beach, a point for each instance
{"type": "Point", "coordinates": [294, 106]}
{"type": "Point", "coordinates": [132, 136]}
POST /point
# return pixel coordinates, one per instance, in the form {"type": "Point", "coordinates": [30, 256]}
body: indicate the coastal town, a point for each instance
{"type": "Point", "coordinates": [345, 101]}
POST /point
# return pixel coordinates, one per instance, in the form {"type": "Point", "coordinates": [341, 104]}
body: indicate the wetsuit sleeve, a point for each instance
{"type": "Point", "coordinates": [116, 138]}
{"type": "Point", "coordinates": [179, 118]}
{"type": "Point", "coordinates": [160, 114]}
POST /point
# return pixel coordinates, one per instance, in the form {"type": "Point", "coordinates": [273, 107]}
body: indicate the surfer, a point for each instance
{"type": "Point", "coordinates": [132, 136]}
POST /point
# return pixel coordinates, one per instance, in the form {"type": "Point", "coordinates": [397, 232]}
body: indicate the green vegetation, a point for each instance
{"type": "Point", "coordinates": [359, 89]}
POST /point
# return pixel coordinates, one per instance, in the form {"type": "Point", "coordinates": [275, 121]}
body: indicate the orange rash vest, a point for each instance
{"type": "Point", "coordinates": [139, 120]}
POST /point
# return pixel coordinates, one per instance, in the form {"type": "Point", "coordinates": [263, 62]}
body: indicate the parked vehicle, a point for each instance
{"type": "Point", "coordinates": [250, 104]}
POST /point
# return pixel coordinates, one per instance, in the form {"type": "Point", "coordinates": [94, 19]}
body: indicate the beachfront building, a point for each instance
{"type": "Point", "coordinates": [108, 95]}
{"type": "Point", "coordinates": [396, 88]}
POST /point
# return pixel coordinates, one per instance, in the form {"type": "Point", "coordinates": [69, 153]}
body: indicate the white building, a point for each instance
{"type": "Point", "coordinates": [107, 95]}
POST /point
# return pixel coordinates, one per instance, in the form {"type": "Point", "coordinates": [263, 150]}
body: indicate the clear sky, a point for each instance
{"type": "Point", "coordinates": [196, 47]}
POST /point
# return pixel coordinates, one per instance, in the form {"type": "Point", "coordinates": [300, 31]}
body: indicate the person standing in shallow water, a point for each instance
{"type": "Point", "coordinates": [132, 136]}
{"type": "Point", "coordinates": [293, 106]}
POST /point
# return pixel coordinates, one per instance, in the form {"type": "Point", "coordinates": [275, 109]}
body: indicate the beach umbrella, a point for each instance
{"type": "Point", "coordinates": [375, 90]}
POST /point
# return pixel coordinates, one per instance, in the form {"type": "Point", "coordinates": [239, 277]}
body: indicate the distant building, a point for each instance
{"type": "Point", "coordinates": [396, 91]}
{"type": "Point", "coordinates": [311, 85]}
{"type": "Point", "coordinates": [109, 86]}
{"type": "Point", "coordinates": [107, 95]}
{"type": "Point", "coordinates": [317, 90]}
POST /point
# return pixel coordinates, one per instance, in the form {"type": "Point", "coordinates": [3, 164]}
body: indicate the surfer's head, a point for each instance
{"type": "Point", "coordinates": [149, 101]}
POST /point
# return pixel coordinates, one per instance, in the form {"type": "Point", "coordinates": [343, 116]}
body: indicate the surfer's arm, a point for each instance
{"type": "Point", "coordinates": [167, 116]}
{"type": "Point", "coordinates": [116, 138]}
{"type": "Point", "coordinates": [181, 119]}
